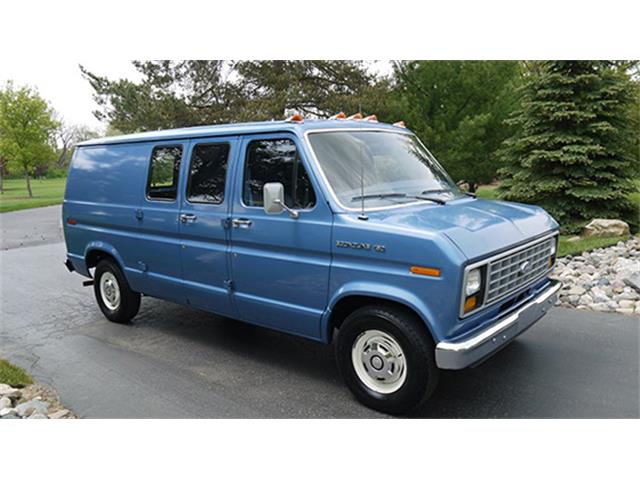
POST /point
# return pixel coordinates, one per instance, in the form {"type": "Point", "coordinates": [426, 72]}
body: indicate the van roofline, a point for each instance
{"type": "Point", "coordinates": [237, 129]}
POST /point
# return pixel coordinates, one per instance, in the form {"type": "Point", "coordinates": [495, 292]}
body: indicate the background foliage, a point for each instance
{"type": "Point", "coordinates": [574, 151]}
{"type": "Point", "coordinates": [560, 134]}
{"type": "Point", "coordinates": [27, 127]}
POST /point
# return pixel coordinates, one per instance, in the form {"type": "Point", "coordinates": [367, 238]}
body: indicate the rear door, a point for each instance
{"type": "Point", "coordinates": [205, 201]}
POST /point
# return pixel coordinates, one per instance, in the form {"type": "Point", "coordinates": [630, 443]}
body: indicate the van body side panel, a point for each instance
{"type": "Point", "coordinates": [102, 195]}
{"type": "Point", "coordinates": [374, 259]}
{"type": "Point", "coordinates": [280, 265]}
{"type": "Point", "coordinates": [205, 240]}
{"type": "Point", "coordinates": [159, 231]}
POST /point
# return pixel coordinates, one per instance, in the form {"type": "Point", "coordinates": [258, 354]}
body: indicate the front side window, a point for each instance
{"type": "Point", "coordinates": [379, 168]}
{"type": "Point", "coordinates": [207, 173]}
{"type": "Point", "coordinates": [164, 171]}
{"type": "Point", "coordinates": [276, 161]}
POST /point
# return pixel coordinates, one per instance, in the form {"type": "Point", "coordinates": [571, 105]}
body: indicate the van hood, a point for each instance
{"type": "Point", "coordinates": [477, 227]}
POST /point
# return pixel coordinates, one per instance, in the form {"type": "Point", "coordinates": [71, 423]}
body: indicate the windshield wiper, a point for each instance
{"type": "Point", "coordinates": [436, 190]}
{"type": "Point", "coordinates": [378, 195]}
{"type": "Point", "coordinates": [439, 201]}
{"type": "Point", "coordinates": [398, 195]}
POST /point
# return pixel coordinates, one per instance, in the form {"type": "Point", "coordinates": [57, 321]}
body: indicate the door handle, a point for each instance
{"type": "Point", "coordinates": [187, 217]}
{"type": "Point", "coordinates": [241, 223]}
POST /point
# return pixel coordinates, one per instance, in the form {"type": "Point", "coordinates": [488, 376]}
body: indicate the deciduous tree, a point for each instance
{"type": "Point", "coordinates": [458, 109]}
{"type": "Point", "coordinates": [26, 130]}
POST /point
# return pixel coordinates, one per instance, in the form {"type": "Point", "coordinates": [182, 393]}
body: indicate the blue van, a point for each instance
{"type": "Point", "coordinates": [343, 230]}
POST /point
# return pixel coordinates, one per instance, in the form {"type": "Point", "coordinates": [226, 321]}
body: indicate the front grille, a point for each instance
{"type": "Point", "coordinates": [508, 273]}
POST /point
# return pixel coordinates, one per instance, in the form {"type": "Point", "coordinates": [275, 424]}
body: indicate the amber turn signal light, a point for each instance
{"type": "Point", "coordinates": [470, 303]}
{"type": "Point", "coordinates": [428, 271]}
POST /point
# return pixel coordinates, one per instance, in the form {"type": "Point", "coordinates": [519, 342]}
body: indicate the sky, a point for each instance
{"type": "Point", "coordinates": [60, 82]}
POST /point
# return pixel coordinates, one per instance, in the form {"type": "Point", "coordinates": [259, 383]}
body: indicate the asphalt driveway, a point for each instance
{"type": "Point", "coordinates": [176, 362]}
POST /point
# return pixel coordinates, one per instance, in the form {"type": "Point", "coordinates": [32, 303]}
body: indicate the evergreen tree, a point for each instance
{"type": "Point", "coordinates": [175, 94]}
{"type": "Point", "coordinates": [573, 152]}
{"type": "Point", "coordinates": [458, 109]}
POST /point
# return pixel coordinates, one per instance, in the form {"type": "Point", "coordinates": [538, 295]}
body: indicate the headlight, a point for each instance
{"type": "Point", "coordinates": [552, 248]}
{"type": "Point", "coordinates": [474, 282]}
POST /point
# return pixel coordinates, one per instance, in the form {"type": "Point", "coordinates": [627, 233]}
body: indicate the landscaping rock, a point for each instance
{"type": "Point", "coordinates": [9, 391]}
{"type": "Point", "coordinates": [10, 416]}
{"type": "Point", "coordinates": [633, 281]}
{"type": "Point", "coordinates": [576, 290]}
{"type": "Point", "coordinates": [28, 408]}
{"type": "Point", "coordinates": [600, 227]}
{"type": "Point", "coordinates": [59, 414]}
{"type": "Point", "coordinates": [5, 402]}
{"type": "Point", "coordinates": [37, 401]}
{"type": "Point", "coordinates": [604, 279]}
{"type": "Point", "coordinates": [37, 416]}
{"type": "Point", "coordinates": [7, 411]}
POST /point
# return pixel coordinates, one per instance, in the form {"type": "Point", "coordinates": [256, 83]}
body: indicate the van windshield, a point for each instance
{"type": "Point", "coordinates": [393, 168]}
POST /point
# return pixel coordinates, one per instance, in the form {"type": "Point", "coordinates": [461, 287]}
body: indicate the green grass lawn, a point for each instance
{"type": "Point", "coordinates": [12, 375]}
{"type": "Point", "coordinates": [48, 191]}
{"type": "Point", "coordinates": [585, 244]}
{"type": "Point", "coordinates": [488, 192]}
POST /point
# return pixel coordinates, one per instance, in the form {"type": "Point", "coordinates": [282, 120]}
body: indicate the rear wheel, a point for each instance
{"type": "Point", "coordinates": [386, 358]}
{"type": "Point", "coordinates": [114, 296]}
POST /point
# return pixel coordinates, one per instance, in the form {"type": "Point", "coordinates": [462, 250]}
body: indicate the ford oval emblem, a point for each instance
{"type": "Point", "coordinates": [525, 267]}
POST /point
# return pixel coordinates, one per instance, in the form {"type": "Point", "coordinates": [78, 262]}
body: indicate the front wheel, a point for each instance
{"type": "Point", "coordinates": [386, 358]}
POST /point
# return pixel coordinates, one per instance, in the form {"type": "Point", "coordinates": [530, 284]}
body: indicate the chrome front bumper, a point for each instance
{"type": "Point", "coordinates": [461, 354]}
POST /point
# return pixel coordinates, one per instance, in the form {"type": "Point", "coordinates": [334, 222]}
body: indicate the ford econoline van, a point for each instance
{"type": "Point", "coordinates": [342, 230]}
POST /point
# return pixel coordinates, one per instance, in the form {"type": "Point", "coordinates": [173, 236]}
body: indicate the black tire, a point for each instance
{"type": "Point", "coordinates": [419, 356]}
{"type": "Point", "coordinates": [129, 303]}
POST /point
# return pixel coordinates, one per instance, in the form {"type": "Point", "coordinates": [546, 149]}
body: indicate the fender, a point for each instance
{"type": "Point", "coordinates": [384, 292]}
{"type": "Point", "coordinates": [104, 247]}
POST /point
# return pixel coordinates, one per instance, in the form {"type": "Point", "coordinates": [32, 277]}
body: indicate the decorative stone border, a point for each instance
{"type": "Point", "coordinates": [603, 280]}
{"type": "Point", "coordinates": [33, 401]}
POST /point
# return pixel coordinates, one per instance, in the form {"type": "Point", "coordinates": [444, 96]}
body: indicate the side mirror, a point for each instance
{"type": "Point", "coordinates": [273, 200]}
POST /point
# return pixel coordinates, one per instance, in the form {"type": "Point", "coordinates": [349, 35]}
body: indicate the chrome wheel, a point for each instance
{"type": "Point", "coordinates": [110, 290]}
{"type": "Point", "coordinates": [379, 361]}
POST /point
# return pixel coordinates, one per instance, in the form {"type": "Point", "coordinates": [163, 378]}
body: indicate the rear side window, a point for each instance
{"type": "Point", "coordinates": [207, 173]}
{"type": "Point", "coordinates": [164, 171]}
{"type": "Point", "coordinates": [276, 161]}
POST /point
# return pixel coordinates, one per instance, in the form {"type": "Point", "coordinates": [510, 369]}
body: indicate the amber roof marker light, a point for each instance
{"type": "Point", "coordinates": [338, 116]}
{"type": "Point", "coordinates": [400, 124]}
{"type": "Point", "coordinates": [355, 116]}
{"type": "Point", "coordinates": [296, 117]}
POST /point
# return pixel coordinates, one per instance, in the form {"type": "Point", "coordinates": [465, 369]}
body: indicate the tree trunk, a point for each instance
{"type": "Point", "coordinates": [26, 176]}
{"type": "Point", "coordinates": [62, 157]}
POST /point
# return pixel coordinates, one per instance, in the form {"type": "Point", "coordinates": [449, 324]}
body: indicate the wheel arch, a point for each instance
{"type": "Point", "coordinates": [351, 297]}
{"type": "Point", "coordinates": [97, 251]}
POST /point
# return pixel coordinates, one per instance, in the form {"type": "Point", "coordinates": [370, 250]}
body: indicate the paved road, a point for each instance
{"type": "Point", "coordinates": [39, 226]}
{"type": "Point", "coordinates": [176, 362]}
